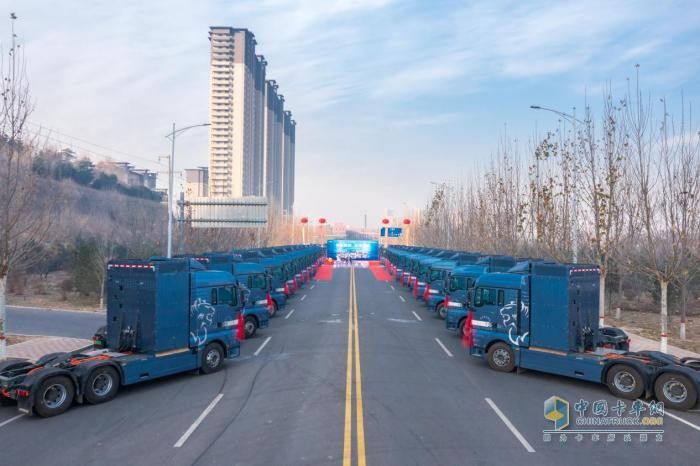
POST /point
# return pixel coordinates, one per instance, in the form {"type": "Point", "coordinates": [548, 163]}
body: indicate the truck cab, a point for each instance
{"type": "Point", "coordinates": [458, 289]}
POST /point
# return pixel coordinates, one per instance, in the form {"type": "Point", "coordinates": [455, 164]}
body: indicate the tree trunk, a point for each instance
{"type": "Point", "coordinates": [3, 309]}
{"type": "Point", "coordinates": [684, 305]}
{"type": "Point", "coordinates": [664, 315]}
{"type": "Point", "coordinates": [601, 298]}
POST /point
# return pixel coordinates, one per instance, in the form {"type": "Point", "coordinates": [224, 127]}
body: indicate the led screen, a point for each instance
{"type": "Point", "coordinates": [353, 249]}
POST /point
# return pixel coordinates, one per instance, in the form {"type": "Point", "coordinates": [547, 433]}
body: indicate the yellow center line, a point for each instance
{"type": "Point", "coordinates": [347, 442]}
{"type": "Point", "coordinates": [353, 335]}
{"type": "Point", "coordinates": [358, 385]}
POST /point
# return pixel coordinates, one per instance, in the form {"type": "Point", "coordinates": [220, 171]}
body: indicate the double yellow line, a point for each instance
{"type": "Point", "coordinates": [353, 336]}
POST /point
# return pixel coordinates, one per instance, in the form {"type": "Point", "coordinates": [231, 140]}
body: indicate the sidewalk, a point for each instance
{"type": "Point", "coordinates": [35, 348]}
{"type": "Point", "coordinates": [640, 343]}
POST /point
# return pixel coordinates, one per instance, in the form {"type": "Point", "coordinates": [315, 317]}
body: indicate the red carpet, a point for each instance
{"type": "Point", "coordinates": [325, 273]}
{"type": "Point", "coordinates": [379, 272]}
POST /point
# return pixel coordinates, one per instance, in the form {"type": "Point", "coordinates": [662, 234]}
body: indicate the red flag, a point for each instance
{"type": "Point", "coordinates": [468, 334]}
{"type": "Point", "coordinates": [415, 288]}
{"type": "Point", "coordinates": [296, 287]}
{"type": "Point", "coordinates": [401, 279]}
{"type": "Point", "coordinates": [447, 301]}
{"type": "Point", "coordinates": [286, 289]}
{"type": "Point", "coordinates": [269, 303]}
{"type": "Point", "coordinates": [240, 327]}
{"type": "Point", "coordinates": [426, 293]}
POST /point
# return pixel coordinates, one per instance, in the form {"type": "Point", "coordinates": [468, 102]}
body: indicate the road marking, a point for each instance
{"type": "Point", "coordinates": [267, 340]}
{"type": "Point", "coordinates": [358, 386]}
{"type": "Point", "coordinates": [303, 298]}
{"type": "Point", "coordinates": [347, 433]}
{"type": "Point", "coordinates": [392, 288]}
{"type": "Point", "coordinates": [510, 425]}
{"type": "Point", "coordinates": [289, 314]}
{"type": "Point", "coordinates": [444, 348]}
{"type": "Point", "coordinates": [401, 298]}
{"type": "Point", "coordinates": [353, 350]}
{"type": "Point", "coordinates": [417, 316]}
{"type": "Point", "coordinates": [666, 413]}
{"type": "Point", "coordinates": [12, 419]}
{"type": "Point", "coordinates": [199, 420]}
{"type": "Point", "coordinates": [312, 287]}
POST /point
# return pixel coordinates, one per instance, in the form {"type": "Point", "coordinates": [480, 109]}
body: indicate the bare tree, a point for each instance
{"type": "Point", "coordinates": [24, 218]}
{"type": "Point", "coordinates": [602, 174]}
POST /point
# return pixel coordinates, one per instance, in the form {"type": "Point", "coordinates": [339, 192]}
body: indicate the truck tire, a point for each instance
{"type": "Point", "coordinates": [460, 327]}
{"type": "Point", "coordinates": [625, 381]}
{"type": "Point", "coordinates": [675, 391]}
{"type": "Point", "coordinates": [212, 358]}
{"type": "Point", "coordinates": [501, 358]}
{"type": "Point", "coordinates": [54, 396]}
{"type": "Point", "coordinates": [441, 311]}
{"type": "Point", "coordinates": [251, 326]}
{"type": "Point", "coordinates": [102, 385]}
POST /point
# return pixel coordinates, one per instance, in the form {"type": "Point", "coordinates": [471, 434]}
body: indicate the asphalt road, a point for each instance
{"type": "Point", "coordinates": [36, 321]}
{"type": "Point", "coordinates": [287, 402]}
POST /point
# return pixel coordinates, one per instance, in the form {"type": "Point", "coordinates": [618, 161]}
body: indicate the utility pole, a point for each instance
{"type": "Point", "coordinates": [181, 223]}
{"type": "Point", "coordinates": [171, 174]}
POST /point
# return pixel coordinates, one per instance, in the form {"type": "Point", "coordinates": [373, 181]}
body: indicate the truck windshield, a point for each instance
{"type": "Point", "coordinates": [435, 275]}
{"type": "Point", "coordinates": [277, 275]}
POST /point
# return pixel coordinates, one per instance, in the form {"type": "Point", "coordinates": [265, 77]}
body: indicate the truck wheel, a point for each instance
{"type": "Point", "coordinates": [441, 311]}
{"type": "Point", "coordinates": [251, 325]}
{"type": "Point", "coordinates": [625, 382]}
{"type": "Point", "coordinates": [501, 358]}
{"type": "Point", "coordinates": [676, 391]}
{"type": "Point", "coordinates": [54, 397]}
{"type": "Point", "coordinates": [212, 358]}
{"type": "Point", "coordinates": [460, 327]}
{"type": "Point", "coordinates": [102, 385]}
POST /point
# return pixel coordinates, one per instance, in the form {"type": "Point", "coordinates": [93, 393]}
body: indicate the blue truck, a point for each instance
{"type": "Point", "coordinates": [164, 316]}
{"type": "Point", "coordinates": [464, 278]}
{"type": "Point", "coordinates": [544, 317]}
{"type": "Point", "coordinates": [251, 277]}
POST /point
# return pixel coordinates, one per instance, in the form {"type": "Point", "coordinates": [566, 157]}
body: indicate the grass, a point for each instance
{"type": "Point", "coordinates": [648, 324]}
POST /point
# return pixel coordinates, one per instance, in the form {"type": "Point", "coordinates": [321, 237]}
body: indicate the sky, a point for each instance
{"type": "Point", "coordinates": [389, 97]}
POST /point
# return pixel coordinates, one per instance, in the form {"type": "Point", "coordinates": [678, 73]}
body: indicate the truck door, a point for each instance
{"type": "Point", "coordinates": [501, 307]}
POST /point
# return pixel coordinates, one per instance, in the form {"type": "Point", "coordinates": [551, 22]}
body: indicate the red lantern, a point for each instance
{"type": "Point", "coordinates": [321, 220]}
{"type": "Point", "coordinates": [304, 220]}
{"type": "Point", "coordinates": [385, 221]}
{"type": "Point", "coordinates": [407, 221]}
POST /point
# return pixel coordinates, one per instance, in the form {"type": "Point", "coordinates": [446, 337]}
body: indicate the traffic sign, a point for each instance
{"type": "Point", "coordinates": [394, 232]}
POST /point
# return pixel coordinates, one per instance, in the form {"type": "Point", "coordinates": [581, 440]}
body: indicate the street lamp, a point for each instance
{"type": "Point", "coordinates": [574, 199]}
{"type": "Point", "coordinates": [171, 169]}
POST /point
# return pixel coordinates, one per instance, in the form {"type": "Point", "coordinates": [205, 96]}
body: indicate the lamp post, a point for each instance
{"type": "Point", "coordinates": [407, 225]}
{"type": "Point", "coordinates": [385, 222]}
{"type": "Point", "coordinates": [171, 169]}
{"type": "Point", "coordinates": [322, 225]}
{"type": "Point", "coordinates": [574, 198]}
{"type": "Point", "coordinates": [304, 222]}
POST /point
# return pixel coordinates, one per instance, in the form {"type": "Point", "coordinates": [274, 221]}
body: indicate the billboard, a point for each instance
{"type": "Point", "coordinates": [353, 249]}
{"type": "Point", "coordinates": [238, 212]}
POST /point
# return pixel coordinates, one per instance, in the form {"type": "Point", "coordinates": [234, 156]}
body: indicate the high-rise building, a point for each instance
{"type": "Point", "coordinates": [236, 82]}
{"type": "Point", "coordinates": [251, 138]}
{"type": "Point", "coordinates": [196, 182]}
{"type": "Point", "coordinates": [288, 164]}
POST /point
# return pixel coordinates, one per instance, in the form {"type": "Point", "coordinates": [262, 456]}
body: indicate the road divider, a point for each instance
{"type": "Point", "coordinates": [198, 421]}
{"type": "Point", "coordinates": [353, 350]}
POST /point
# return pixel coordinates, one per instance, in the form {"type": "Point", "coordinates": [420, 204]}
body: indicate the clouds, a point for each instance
{"type": "Point", "coordinates": [377, 79]}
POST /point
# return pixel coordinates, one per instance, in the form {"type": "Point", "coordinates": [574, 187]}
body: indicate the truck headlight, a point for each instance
{"type": "Point", "coordinates": [261, 302]}
{"type": "Point", "coordinates": [433, 291]}
{"type": "Point", "coordinates": [279, 290]}
{"type": "Point", "coordinates": [454, 304]}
